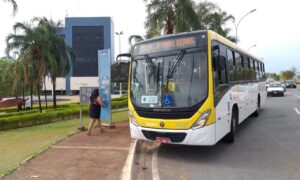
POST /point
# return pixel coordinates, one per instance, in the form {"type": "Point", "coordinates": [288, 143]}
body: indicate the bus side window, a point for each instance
{"type": "Point", "coordinates": [219, 71]}
{"type": "Point", "coordinates": [252, 68]}
{"type": "Point", "coordinates": [239, 67]}
{"type": "Point", "coordinates": [220, 75]}
{"type": "Point", "coordinates": [231, 66]}
{"type": "Point", "coordinates": [263, 71]}
{"type": "Point", "coordinates": [257, 70]}
{"type": "Point", "coordinates": [247, 69]}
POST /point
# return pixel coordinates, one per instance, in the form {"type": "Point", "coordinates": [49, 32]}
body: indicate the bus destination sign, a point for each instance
{"type": "Point", "coordinates": [166, 45]}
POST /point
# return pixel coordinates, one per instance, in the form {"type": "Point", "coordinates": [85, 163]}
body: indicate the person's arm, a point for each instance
{"type": "Point", "coordinates": [100, 101]}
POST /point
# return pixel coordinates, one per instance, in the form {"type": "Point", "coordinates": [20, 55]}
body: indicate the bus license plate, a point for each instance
{"type": "Point", "coordinates": [163, 140]}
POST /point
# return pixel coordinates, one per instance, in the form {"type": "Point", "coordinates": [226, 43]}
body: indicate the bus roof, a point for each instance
{"type": "Point", "coordinates": [221, 39]}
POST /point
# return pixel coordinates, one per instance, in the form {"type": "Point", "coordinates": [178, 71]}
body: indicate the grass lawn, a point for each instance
{"type": "Point", "coordinates": [17, 145]}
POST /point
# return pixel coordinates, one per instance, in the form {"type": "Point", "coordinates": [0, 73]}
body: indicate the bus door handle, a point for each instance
{"type": "Point", "coordinates": [219, 118]}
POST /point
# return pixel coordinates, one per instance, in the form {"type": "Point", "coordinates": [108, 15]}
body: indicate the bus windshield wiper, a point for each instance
{"type": "Point", "coordinates": [176, 64]}
{"type": "Point", "coordinates": [149, 63]}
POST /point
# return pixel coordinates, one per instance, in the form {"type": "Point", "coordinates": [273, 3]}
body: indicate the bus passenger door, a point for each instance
{"type": "Point", "coordinates": [221, 91]}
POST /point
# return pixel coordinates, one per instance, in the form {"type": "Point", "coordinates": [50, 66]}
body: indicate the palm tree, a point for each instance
{"type": "Point", "coordinates": [212, 17]}
{"type": "Point", "coordinates": [60, 54]}
{"type": "Point", "coordinates": [170, 16]}
{"type": "Point", "coordinates": [18, 82]}
{"type": "Point", "coordinates": [14, 4]}
{"type": "Point", "coordinates": [33, 46]}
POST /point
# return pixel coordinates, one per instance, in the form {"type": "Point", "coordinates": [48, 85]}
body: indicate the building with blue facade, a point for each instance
{"type": "Point", "coordinates": [86, 35]}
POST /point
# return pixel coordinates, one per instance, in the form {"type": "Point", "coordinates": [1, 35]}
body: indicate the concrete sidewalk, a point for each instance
{"type": "Point", "coordinates": [99, 156]}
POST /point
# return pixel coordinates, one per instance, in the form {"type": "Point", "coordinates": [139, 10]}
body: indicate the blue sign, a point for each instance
{"type": "Point", "coordinates": [104, 82]}
{"type": "Point", "coordinates": [168, 100]}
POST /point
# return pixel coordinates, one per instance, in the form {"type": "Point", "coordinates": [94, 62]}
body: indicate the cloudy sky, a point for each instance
{"type": "Point", "coordinates": [274, 27]}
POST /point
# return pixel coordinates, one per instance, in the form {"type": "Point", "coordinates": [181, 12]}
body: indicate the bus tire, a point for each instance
{"type": "Point", "coordinates": [257, 111]}
{"type": "Point", "coordinates": [229, 138]}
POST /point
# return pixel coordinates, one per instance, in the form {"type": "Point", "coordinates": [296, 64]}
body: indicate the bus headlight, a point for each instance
{"type": "Point", "coordinates": [132, 119]}
{"type": "Point", "coordinates": [202, 120]}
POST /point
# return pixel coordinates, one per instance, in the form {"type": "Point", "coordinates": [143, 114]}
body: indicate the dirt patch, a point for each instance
{"type": "Point", "coordinates": [99, 156]}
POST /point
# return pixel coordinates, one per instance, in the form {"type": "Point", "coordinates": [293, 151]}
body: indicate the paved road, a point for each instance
{"type": "Point", "coordinates": [267, 147]}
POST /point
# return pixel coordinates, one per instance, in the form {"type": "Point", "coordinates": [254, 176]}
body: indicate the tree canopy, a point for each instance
{"type": "Point", "coordinates": [14, 4]}
{"type": "Point", "coordinates": [42, 52]}
{"type": "Point", "coordinates": [174, 16]}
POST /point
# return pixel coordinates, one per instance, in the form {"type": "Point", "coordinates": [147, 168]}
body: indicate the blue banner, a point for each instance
{"type": "Point", "coordinates": [104, 82]}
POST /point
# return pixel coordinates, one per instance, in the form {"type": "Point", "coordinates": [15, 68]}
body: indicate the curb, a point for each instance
{"type": "Point", "coordinates": [127, 169]}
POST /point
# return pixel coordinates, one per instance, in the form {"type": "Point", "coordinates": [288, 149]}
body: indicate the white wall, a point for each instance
{"type": "Point", "coordinates": [76, 83]}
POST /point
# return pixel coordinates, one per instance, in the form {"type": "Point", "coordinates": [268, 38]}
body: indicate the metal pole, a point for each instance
{"type": "Point", "coordinates": [237, 25]}
{"type": "Point", "coordinates": [251, 47]}
{"type": "Point", "coordinates": [119, 34]}
{"type": "Point", "coordinates": [81, 124]}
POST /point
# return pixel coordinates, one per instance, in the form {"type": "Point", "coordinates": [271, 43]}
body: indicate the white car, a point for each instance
{"type": "Point", "coordinates": [275, 89]}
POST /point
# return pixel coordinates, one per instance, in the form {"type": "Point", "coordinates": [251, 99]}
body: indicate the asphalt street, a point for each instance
{"type": "Point", "coordinates": [266, 147]}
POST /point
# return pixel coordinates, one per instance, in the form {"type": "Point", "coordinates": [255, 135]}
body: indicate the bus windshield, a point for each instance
{"type": "Point", "coordinates": [174, 81]}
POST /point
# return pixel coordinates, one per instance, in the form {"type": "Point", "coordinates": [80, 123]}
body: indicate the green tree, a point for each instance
{"type": "Point", "coordinates": [173, 16]}
{"type": "Point", "coordinates": [6, 78]}
{"type": "Point", "coordinates": [14, 4]}
{"type": "Point", "coordinates": [59, 53]}
{"type": "Point", "coordinates": [170, 16]}
{"type": "Point", "coordinates": [286, 75]}
{"type": "Point", "coordinates": [33, 46]}
{"type": "Point", "coordinates": [212, 17]}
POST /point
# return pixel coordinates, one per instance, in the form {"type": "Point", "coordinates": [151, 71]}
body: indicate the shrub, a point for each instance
{"type": "Point", "coordinates": [33, 117]}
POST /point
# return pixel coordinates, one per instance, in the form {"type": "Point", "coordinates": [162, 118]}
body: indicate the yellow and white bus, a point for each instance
{"type": "Point", "coordinates": [192, 88]}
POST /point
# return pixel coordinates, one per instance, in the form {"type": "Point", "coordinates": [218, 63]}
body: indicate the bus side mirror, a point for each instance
{"type": "Point", "coordinates": [128, 55]}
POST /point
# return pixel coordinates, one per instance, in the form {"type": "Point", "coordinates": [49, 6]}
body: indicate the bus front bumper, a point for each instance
{"type": "Point", "coordinates": [205, 136]}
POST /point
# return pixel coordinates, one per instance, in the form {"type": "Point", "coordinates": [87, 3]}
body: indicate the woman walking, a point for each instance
{"type": "Point", "coordinates": [95, 110]}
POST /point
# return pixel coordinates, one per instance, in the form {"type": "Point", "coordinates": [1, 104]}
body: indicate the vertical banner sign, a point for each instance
{"type": "Point", "coordinates": [104, 83]}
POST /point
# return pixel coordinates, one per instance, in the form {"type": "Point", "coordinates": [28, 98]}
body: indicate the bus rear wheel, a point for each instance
{"type": "Point", "coordinates": [256, 113]}
{"type": "Point", "coordinates": [233, 126]}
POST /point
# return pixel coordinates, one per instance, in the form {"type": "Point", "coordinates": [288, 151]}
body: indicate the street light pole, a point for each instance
{"type": "Point", "coordinates": [237, 25]}
{"type": "Point", "coordinates": [119, 34]}
{"type": "Point", "coordinates": [252, 47]}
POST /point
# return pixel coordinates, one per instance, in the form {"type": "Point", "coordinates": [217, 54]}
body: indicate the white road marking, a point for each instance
{"type": "Point", "coordinates": [126, 172]}
{"type": "Point", "coordinates": [155, 173]}
{"type": "Point", "coordinates": [297, 111]}
{"type": "Point", "coordinates": [91, 147]}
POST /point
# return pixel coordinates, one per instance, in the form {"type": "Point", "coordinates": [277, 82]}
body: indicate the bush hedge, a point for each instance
{"type": "Point", "coordinates": [30, 118]}
{"type": "Point", "coordinates": [36, 119]}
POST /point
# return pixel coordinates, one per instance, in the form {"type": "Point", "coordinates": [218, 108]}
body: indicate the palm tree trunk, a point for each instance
{"type": "Point", "coordinates": [23, 93]}
{"type": "Point", "coordinates": [54, 95]}
{"type": "Point", "coordinates": [45, 90]}
{"type": "Point", "coordinates": [39, 98]}
{"type": "Point", "coordinates": [31, 95]}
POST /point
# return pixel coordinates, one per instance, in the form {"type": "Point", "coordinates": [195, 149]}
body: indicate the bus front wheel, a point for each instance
{"type": "Point", "coordinates": [233, 126]}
